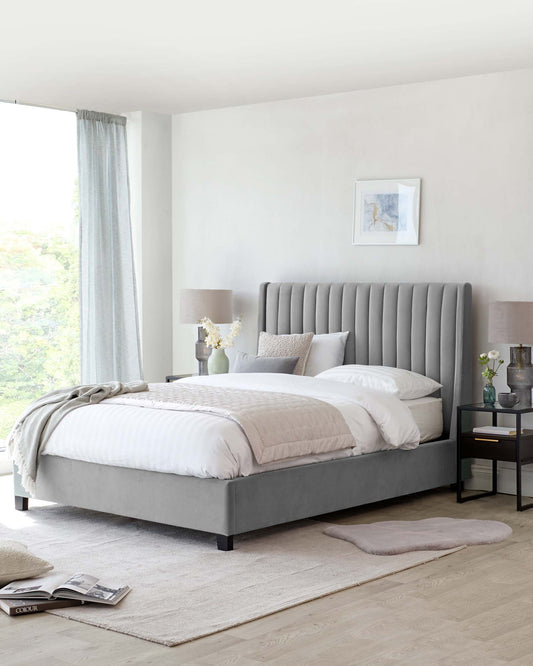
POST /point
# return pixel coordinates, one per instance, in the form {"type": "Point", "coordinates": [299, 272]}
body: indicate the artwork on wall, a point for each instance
{"type": "Point", "coordinates": [386, 212]}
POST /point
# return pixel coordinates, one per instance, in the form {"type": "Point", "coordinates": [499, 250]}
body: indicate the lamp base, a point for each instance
{"type": "Point", "coordinates": [520, 374]}
{"type": "Point", "coordinates": [203, 352]}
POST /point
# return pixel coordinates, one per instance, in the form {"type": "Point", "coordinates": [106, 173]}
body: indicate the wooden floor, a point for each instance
{"type": "Point", "coordinates": [473, 607]}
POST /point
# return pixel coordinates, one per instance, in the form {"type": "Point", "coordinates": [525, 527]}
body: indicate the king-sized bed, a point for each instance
{"type": "Point", "coordinates": [161, 465]}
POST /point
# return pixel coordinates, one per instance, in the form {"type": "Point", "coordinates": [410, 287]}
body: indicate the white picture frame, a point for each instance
{"type": "Point", "coordinates": [386, 212]}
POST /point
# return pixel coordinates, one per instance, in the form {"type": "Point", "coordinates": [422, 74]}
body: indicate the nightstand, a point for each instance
{"type": "Point", "coordinates": [509, 448]}
{"type": "Point", "coordinates": [172, 378]}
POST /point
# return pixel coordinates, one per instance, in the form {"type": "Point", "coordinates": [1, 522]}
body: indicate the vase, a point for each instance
{"type": "Point", "coordinates": [218, 362]}
{"type": "Point", "coordinates": [489, 395]}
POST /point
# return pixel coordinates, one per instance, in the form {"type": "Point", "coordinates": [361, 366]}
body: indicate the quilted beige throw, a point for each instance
{"type": "Point", "coordinates": [277, 425]}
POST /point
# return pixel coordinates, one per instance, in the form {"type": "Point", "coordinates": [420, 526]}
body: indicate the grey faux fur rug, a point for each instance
{"type": "Point", "coordinates": [404, 536]}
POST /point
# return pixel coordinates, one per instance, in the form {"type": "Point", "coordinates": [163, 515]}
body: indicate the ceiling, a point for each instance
{"type": "Point", "coordinates": [171, 56]}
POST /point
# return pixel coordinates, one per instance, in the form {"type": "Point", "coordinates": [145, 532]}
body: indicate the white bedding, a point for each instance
{"type": "Point", "coordinates": [204, 445]}
{"type": "Point", "coordinates": [427, 413]}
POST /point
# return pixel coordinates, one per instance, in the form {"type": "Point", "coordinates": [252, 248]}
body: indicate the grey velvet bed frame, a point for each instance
{"type": "Point", "coordinates": [420, 327]}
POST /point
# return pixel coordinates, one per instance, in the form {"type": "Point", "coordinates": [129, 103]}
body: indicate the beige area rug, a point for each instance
{"type": "Point", "coordinates": [182, 587]}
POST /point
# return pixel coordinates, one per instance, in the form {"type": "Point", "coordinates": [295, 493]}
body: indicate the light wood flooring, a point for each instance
{"type": "Point", "coordinates": [473, 607]}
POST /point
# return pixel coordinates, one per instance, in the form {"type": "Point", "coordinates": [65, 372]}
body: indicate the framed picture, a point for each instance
{"type": "Point", "coordinates": [386, 212]}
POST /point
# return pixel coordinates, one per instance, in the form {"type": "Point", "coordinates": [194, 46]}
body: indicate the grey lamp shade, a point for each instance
{"type": "Point", "coordinates": [511, 322]}
{"type": "Point", "coordinates": [216, 304]}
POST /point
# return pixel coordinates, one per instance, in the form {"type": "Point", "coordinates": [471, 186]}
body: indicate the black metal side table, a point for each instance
{"type": "Point", "coordinates": [509, 448]}
{"type": "Point", "coordinates": [172, 378]}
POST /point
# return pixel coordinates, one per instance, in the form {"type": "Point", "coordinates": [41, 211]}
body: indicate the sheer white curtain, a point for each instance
{"type": "Point", "coordinates": [110, 348]}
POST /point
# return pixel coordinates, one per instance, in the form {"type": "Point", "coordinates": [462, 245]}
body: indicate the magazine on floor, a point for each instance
{"type": "Point", "coordinates": [56, 586]}
{"type": "Point", "coordinates": [16, 607]}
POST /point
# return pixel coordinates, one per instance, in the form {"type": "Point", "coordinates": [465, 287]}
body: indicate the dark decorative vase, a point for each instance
{"type": "Point", "coordinates": [489, 395]}
{"type": "Point", "coordinates": [520, 374]}
{"type": "Point", "coordinates": [203, 352]}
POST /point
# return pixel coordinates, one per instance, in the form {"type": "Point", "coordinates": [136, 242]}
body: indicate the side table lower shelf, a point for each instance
{"type": "Point", "coordinates": [486, 493]}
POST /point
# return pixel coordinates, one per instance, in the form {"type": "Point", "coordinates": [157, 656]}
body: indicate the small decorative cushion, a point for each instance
{"type": "Point", "coordinates": [297, 344]}
{"type": "Point", "coordinates": [17, 563]}
{"type": "Point", "coordinates": [405, 384]}
{"type": "Point", "coordinates": [327, 351]}
{"type": "Point", "coordinates": [248, 363]}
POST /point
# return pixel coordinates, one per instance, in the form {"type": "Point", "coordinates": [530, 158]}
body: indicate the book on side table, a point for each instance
{"type": "Point", "coordinates": [79, 587]}
{"type": "Point", "coordinates": [496, 430]}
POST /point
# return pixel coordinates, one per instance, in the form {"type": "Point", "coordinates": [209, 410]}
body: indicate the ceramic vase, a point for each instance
{"type": "Point", "coordinates": [218, 362]}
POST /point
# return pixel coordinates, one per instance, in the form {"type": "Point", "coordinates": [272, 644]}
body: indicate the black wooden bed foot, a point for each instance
{"type": "Point", "coordinates": [21, 503]}
{"type": "Point", "coordinates": [224, 542]}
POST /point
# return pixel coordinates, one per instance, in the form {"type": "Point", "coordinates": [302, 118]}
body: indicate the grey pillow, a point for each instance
{"type": "Point", "coordinates": [248, 363]}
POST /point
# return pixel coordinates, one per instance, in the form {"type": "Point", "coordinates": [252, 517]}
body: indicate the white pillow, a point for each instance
{"type": "Point", "coordinates": [405, 384]}
{"type": "Point", "coordinates": [17, 563]}
{"type": "Point", "coordinates": [327, 351]}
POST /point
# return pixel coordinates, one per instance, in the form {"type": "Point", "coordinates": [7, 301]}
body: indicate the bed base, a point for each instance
{"type": "Point", "coordinates": [224, 543]}
{"type": "Point", "coordinates": [227, 508]}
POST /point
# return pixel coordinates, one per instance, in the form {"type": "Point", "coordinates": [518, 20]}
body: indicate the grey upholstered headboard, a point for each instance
{"type": "Point", "coordinates": [417, 326]}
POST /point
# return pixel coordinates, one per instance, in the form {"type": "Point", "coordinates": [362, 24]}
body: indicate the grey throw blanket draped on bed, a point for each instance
{"type": "Point", "coordinates": [35, 425]}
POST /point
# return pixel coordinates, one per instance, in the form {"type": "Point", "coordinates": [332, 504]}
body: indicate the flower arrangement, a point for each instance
{"type": "Point", "coordinates": [490, 371]}
{"type": "Point", "coordinates": [214, 337]}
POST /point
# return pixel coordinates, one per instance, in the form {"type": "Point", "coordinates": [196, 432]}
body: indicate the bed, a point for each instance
{"type": "Point", "coordinates": [421, 327]}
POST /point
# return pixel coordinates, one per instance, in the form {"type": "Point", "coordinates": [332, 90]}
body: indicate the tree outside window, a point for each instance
{"type": "Point", "coordinates": [39, 266]}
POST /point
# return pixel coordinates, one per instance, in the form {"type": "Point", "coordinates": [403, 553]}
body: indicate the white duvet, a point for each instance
{"type": "Point", "coordinates": [206, 445]}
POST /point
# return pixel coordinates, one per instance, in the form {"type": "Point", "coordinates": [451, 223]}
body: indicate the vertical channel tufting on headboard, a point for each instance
{"type": "Point", "coordinates": [424, 327]}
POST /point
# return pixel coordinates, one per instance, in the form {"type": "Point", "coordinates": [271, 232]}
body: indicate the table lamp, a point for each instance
{"type": "Point", "coordinates": [512, 321]}
{"type": "Point", "coordinates": [195, 304]}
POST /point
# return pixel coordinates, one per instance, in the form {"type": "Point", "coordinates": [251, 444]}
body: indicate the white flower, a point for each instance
{"type": "Point", "coordinates": [234, 331]}
{"type": "Point", "coordinates": [214, 337]}
{"type": "Point", "coordinates": [494, 355]}
{"type": "Point", "coordinates": [483, 355]}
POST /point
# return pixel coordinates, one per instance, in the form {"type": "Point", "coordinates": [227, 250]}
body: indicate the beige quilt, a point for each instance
{"type": "Point", "coordinates": [277, 425]}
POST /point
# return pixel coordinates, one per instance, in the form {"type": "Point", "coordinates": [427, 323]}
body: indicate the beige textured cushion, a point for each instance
{"type": "Point", "coordinates": [298, 344]}
{"type": "Point", "coordinates": [17, 563]}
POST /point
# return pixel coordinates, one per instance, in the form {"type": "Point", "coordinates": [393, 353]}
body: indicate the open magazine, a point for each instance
{"type": "Point", "coordinates": [79, 586]}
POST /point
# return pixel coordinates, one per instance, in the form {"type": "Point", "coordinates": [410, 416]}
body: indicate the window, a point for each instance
{"type": "Point", "coordinates": [39, 311]}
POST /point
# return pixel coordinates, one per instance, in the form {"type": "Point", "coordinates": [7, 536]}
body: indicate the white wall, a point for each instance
{"type": "Point", "coordinates": [265, 192]}
{"type": "Point", "coordinates": [149, 151]}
